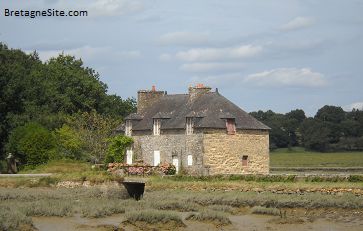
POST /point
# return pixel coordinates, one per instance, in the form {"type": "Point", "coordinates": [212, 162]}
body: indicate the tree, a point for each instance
{"type": "Point", "coordinates": [32, 144]}
{"type": "Point", "coordinates": [315, 135]}
{"type": "Point", "coordinates": [49, 93]}
{"type": "Point", "coordinates": [69, 143]}
{"type": "Point", "coordinates": [94, 130]}
{"type": "Point", "coordinates": [117, 148]}
{"type": "Point", "coordinates": [331, 114]}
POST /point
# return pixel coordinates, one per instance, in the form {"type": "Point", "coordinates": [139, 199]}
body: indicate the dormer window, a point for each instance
{"type": "Point", "coordinates": [128, 128]}
{"type": "Point", "coordinates": [189, 125]}
{"type": "Point", "coordinates": [156, 127]}
{"type": "Point", "coordinates": [231, 126]}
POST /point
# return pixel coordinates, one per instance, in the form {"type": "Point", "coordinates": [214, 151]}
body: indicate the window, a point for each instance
{"type": "Point", "coordinates": [156, 127]}
{"type": "Point", "coordinates": [189, 127]}
{"type": "Point", "coordinates": [244, 161]}
{"type": "Point", "coordinates": [190, 160]}
{"type": "Point", "coordinates": [128, 128]}
{"type": "Point", "coordinates": [231, 126]}
{"type": "Point", "coordinates": [156, 158]}
{"type": "Point", "coordinates": [129, 153]}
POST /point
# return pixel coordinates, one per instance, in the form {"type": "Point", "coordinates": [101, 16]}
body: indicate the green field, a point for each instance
{"type": "Point", "coordinates": [298, 157]}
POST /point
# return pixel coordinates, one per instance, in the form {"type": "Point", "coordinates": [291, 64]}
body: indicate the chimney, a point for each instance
{"type": "Point", "coordinates": [197, 90]}
{"type": "Point", "coordinates": [146, 98]}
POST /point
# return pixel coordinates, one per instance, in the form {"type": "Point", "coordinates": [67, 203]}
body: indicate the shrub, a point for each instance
{"type": "Point", "coordinates": [11, 219]}
{"type": "Point", "coordinates": [167, 168]}
{"type": "Point", "coordinates": [32, 144]}
{"type": "Point", "coordinates": [264, 210]}
{"type": "Point", "coordinates": [117, 148]}
{"type": "Point", "coordinates": [209, 215]}
{"type": "Point", "coordinates": [355, 178]}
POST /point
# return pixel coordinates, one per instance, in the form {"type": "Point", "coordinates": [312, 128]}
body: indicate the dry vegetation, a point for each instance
{"type": "Point", "coordinates": [19, 205]}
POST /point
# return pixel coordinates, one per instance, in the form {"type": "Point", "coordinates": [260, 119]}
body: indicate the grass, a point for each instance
{"type": "Point", "coordinates": [62, 170]}
{"type": "Point", "coordinates": [219, 218]}
{"type": "Point", "coordinates": [159, 206]}
{"type": "Point", "coordinates": [298, 157]}
{"type": "Point", "coordinates": [265, 211]}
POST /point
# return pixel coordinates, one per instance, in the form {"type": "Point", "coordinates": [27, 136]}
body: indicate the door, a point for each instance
{"type": "Point", "coordinates": [156, 158]}
{"type": "Point", "coordinates": [176, 164]}
{"type": "Point", "coordinates": [129, 156]}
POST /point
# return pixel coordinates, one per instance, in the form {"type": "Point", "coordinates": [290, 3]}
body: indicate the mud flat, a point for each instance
{"type": "Point", "coordinates": [296, 219]}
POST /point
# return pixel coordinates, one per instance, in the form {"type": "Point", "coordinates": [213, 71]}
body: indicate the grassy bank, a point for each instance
{"type": "Point", "coordinates": [298, 157]}
{"type": "Point", "coordinates": [159, 206]}
{"type": "Point", "coordinates": [62, 170]}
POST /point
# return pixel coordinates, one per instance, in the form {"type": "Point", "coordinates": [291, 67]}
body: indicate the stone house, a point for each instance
{"type": "Point", "coordinates": [201, 132]}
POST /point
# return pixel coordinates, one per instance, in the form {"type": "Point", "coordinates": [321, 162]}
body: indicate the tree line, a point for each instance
{"type": "Point", "coordinates": [54, 109]}
{"type": "Point", "coordinates": [60, 109]}
{"type": "Point", "coordinates": [331, 129]}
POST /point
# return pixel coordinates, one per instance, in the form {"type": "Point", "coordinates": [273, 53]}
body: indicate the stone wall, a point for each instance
{"type": "Point", "coordinates": [171, 144]}
{"type": "Point", "coordinates": [223, 153]}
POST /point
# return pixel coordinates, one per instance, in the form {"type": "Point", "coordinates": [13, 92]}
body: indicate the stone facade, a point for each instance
{"type": "Point", "coordinates": [223, 153]}
{"type": "Point", "coordinates": [213, 150]}
{"type": "Point", "coordinates": [171, 144]}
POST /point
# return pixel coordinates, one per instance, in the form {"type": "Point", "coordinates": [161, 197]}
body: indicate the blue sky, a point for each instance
{"type": "Point", "coordinates": [264, 54]}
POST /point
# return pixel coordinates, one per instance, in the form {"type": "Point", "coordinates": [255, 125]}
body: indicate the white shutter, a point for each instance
{"type": "Point", "coordinates": [176, 164]}
{"type": "Point", "coordinates": [190, 160]}
{"type": "Point", "coordinates": [156, 158]}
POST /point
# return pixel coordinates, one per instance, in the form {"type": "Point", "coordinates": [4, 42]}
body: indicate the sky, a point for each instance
{"type": "Point", "coordinates": [260, 54]}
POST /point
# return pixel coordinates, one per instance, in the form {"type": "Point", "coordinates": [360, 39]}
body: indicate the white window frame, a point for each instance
{"type": "Point", "coordinates": [190, 160]}
{"type": "Point", "coordinates": [157, 158]}
{"type": "Point", "coordinates": [156, 127]}
{"type": "Point", "coordinates": [189, 125]}
{"type": "Point", "coordinates": [128, 128]}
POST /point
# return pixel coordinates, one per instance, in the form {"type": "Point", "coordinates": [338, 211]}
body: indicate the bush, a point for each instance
{"type": "Point", "coordinates": [117, 148]}
{"type": "Point", "coordinates": [209, 215]}
{"type": "Point", "coordinates": [264, 210]}
{"type": "Point", "coordinates": [32, 144]}
{"type": "Point", "coordinates": [167, 169]}
{"type": "Point", "coordinates": [355, 178]}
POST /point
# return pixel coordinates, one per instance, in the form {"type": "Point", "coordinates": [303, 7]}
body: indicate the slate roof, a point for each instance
{"type": "Point", "coordinates": [209, 110]}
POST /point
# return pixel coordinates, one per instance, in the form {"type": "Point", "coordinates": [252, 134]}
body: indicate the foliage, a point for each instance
{"type": "Point", "coordinates": [209, 215]}
{"type": "Point", "coordinates": [331, 129]}
{"type": "Point", "coordinates": [49, 94]}
{"type": "Point", "coordinates": [117, 148]}
{"type": "Point", "coordinates": [69, 142]}
{"type": "Point", "coordinates": [94, 131]}
{"type": "Point", "coordinates": [32, 144]}
{"type": "Point", "coordinates": [264, 210]}
{"type": "Point", "coordinates": [167, 168]}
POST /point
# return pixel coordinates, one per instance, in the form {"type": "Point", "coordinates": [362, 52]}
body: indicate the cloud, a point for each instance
{"type": "Point", "coordinates": [292, 77]}
{"type": "Point", "coordinates": [356, 105]}
{"type": "Point", "coordinates": [298, 23]}
{"type": "Point", "coordinates": [183, 38]}
{"type": "Point", "coordinates": [90, 53]}
{"type": "Point", "coordinates": [221, 80]}
{"type": "Point", "coordinates": [165, 57]}
{"type": "Point", "coordinates": [212, 54]}
{"type": "Point", "coordinates": [214, 66]}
